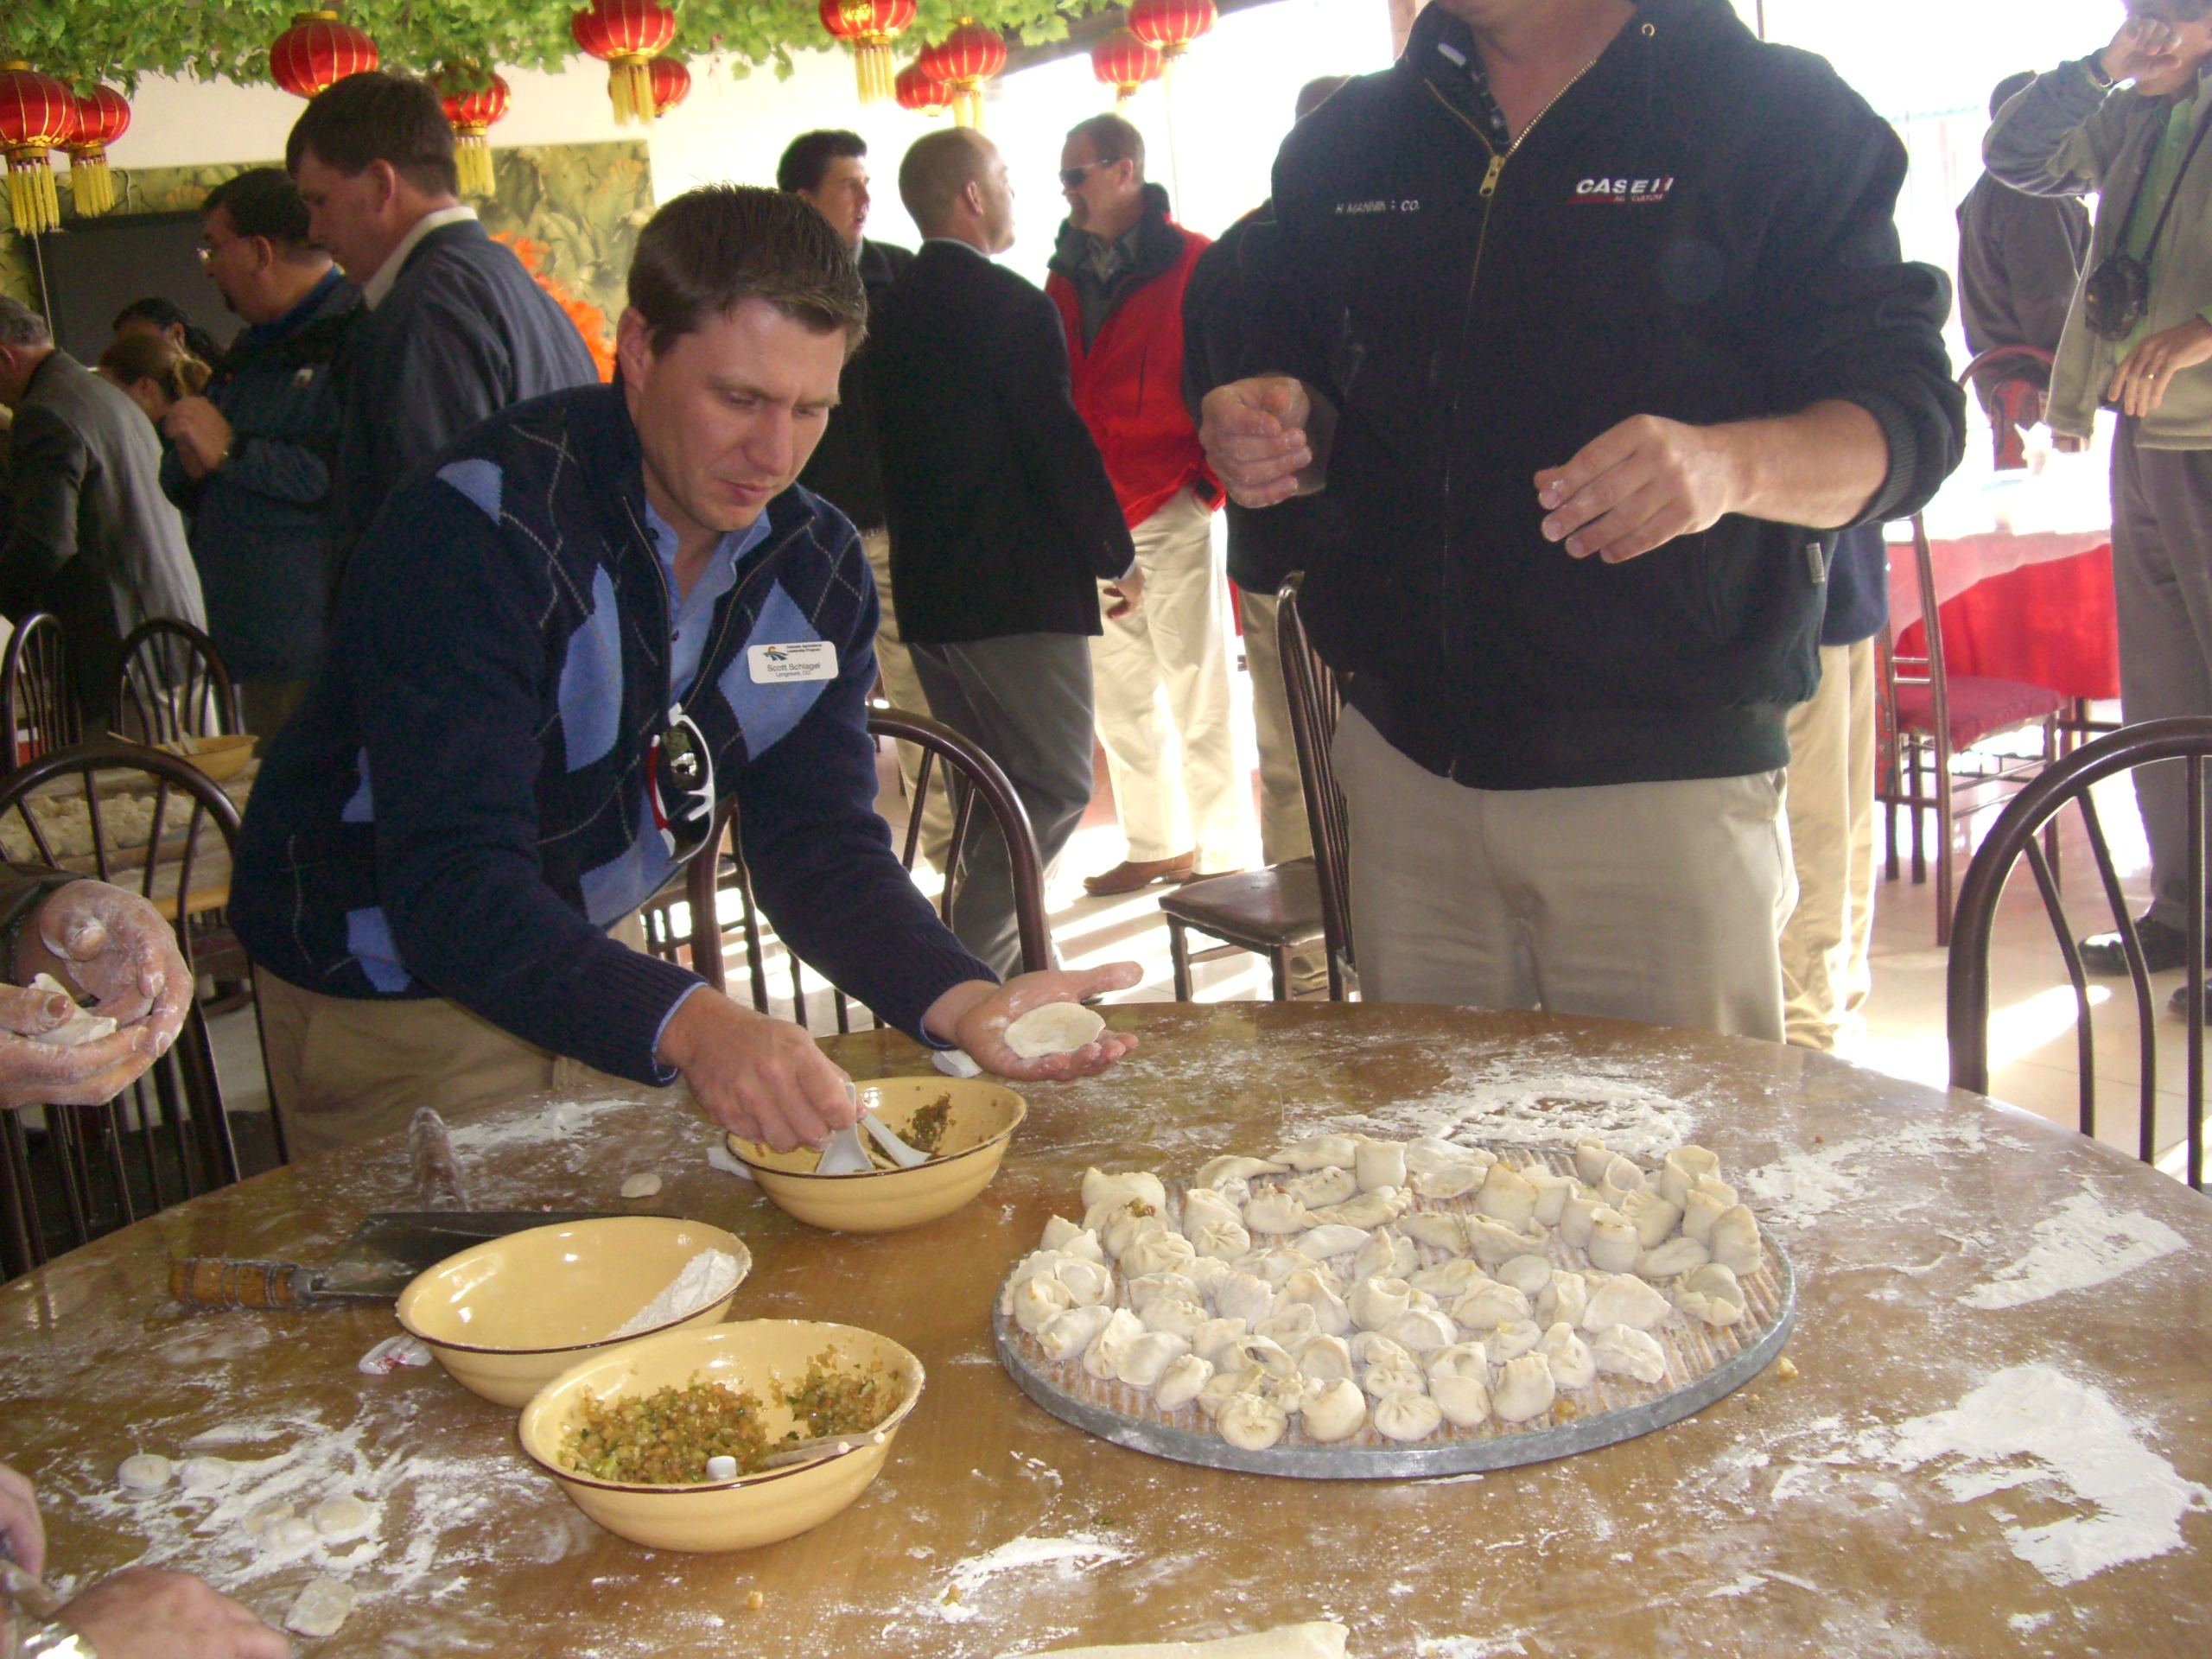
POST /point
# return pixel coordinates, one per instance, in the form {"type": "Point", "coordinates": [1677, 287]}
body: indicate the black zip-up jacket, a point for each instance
{"type": "Point", "coordinates": [844, 470]}
{"type": "Point", "coordinates": [1700, 228]}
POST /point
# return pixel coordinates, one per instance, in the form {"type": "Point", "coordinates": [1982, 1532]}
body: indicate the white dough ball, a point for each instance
{"type": "Point", "coordinates": [206, 1474]}
{"type": "Point", "coordinates": [322, 1607]}
{"type": "Point", "coordinates": [641, 1186]}
{"type": "Point", "coordinates": [146, 1472]}
{"type": "Point", "coordinates": [340, 1517]}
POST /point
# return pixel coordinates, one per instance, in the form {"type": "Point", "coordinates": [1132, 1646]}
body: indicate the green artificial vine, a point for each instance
{"type": "Point", "coordinates": [117, 41]}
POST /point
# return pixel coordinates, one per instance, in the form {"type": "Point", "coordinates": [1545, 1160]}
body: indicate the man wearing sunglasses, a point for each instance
{"type": "Point", "coordinates": [594, 616]}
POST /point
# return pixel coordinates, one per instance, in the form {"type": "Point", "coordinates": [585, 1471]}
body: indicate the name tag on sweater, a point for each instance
{"type": "Point", "coordinates": [805, 660]}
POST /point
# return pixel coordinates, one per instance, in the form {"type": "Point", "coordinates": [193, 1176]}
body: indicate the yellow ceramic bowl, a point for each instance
{"type": "Point", "coordinates": [508, 1316]}
{"type": "Point", "coordinates": [765, 1356]}
{"type": "Point", "coordinates": [983, 1118]}
{"type": "Point", "coordinates": [220, 758]}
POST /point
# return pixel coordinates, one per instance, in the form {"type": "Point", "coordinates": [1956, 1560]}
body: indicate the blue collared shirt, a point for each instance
{"type": "Point", "coordinates": [694, 613]}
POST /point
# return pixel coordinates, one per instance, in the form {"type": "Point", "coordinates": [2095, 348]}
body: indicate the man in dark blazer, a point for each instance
{"type": "Point", "coordinates": [456, 328]}
{"type": "Point", "coordinates": [92, 540]}
{"type": "Point", "coordinates": [1003, 523]}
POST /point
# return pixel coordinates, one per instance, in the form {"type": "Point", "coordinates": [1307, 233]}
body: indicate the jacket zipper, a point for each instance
{"type": "Point", "coordinates": [1488, 191]}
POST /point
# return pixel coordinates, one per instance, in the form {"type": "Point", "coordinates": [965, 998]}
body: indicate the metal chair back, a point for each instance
{"type": "Point", "coordinates": [173, 684]}
{"type": "Point", "coordinates": [2187, 741]}
{"type": "Point", "coordinates": [39, 711]}
{"type": "Point", "coordinates": [155, 825]}
{"type": "Point", "coordinates": [1315, 705]}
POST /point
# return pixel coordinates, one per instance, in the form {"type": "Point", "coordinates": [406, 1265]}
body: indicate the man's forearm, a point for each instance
{"type": "Point", "coordinates": [1818, 468]}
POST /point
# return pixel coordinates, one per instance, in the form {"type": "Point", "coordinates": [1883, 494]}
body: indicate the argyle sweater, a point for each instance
{"type": "Point", "coordinates": [459, 809]}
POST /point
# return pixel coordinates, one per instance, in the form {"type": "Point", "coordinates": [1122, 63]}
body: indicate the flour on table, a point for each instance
{"type": "Point", "coordinates": [1550, 1110]}
{"type": "Point", "coordinates": [2079, 1244]}
{"type": "Point", "coordinates": [1795, 1189]}
{"type": "Point", "coordinates": [2034, 1424]}
{"type": "Point", "coordinates": [1067, 1557]}
{"type": "Point", "coordinates": [705, 1279]}
{"type": "Point", "coordinates": [560, 1120]}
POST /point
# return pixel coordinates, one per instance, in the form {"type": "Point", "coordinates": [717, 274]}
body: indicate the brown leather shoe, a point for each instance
{"type": "Point", "coordinates": [1129, 876]}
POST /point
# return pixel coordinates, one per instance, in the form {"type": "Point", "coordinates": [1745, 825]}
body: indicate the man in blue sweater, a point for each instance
{"type": "Point", "coordinates": [599, 613]}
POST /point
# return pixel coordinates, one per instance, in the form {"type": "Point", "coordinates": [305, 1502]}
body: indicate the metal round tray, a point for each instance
{"type": "Point", "coordinates": [1730, 1358]}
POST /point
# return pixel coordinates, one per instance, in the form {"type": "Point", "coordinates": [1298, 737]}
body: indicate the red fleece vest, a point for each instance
{"type": "Point", "coordinates": [1128, 388]}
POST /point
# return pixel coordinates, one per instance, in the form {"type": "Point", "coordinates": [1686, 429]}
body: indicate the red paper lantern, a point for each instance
{"type": "Point", "coordinates": [100, 120]}
{"type": "Point", "coordinates": [671, 85]}
{"type": "Point", "coordinates": [476, 100]}
{"type": "Point", "coordinates": [36, 113]}
{"type": "Point", "coordinates": [1171, 25]}
{"type": "Point", "coordinates": [1125, 63]}
{"type": "Point", "coordinates": [964, 61]}
{"type": "Point", "coordinates": [317, 52]}
{"type": "Point", "coordinates": [917, 92]}
{"type": "Point", "coordinates": [869, 27]}
{"type": "Point", "coordinates": [626, 36]}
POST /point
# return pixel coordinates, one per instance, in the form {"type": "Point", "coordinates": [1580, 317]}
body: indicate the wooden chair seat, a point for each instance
{"type": "Point", "coordinates": [1271, 912]}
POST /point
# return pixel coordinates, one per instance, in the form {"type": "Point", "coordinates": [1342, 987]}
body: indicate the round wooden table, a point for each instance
{"type": "Point", "coordinates": [1971, 1457]}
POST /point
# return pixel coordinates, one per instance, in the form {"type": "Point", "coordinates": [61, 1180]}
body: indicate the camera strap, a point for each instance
{"type": "Point", "coordinates": [2149, 249]}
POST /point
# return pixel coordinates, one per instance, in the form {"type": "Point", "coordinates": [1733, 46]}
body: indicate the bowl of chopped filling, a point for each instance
{"type": "Point", "coordinates": [507, 1315]}
{"type": "Point", "coordinates": [964, 1124]}
{"type": "Point", "coordinates": [724, 1438]}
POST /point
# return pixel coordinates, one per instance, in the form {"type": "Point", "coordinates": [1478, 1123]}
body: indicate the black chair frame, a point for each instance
{"type": "Point", "coordinates": [1316, 703]}
{"type": "Point", "coordinates": [173, 684]}
{"type": "Point", "coordinates": [39, 712]}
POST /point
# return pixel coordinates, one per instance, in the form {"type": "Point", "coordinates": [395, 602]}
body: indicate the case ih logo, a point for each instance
{"type": "Point", "coordinates": [1623, 190]}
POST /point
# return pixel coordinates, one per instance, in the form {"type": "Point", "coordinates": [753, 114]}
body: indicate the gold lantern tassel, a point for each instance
{"type": "Point", "coordinates": [31, 200]}
{"type": "Point", "coordinates": [91, 185]}
{"type": "Point", "coordinates": [873, 59]}
{"type": "Point", "coordinates": [630, 84]}
{"type": "Point", "coordinates": [471, 157]}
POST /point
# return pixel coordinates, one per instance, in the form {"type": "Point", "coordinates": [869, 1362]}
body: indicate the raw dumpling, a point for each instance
{"type": "Point", "coordinates": [1376, 1302]}
{"type": "Point", "coordinates": [1621, 1177]}
{"type": "Point", "coordinates": [1437, 1229]}
{"type": "Point", "coordinates": [1393, 1377]}
{"type": "Point", "coordinates": [1252, 1422]}
{"type": "Point", "coordinates": [1230, 1168]}
{"type": "Point", "coordinates": [1527, 1273]}
{"type": "Point", "coordinates": [1037, 1262]}
{"type": "Point", "coordinates": [1180, 1382]}
{"type": "Point", "coordinates": [1067, 1335]}
{"type": "Point", "coordinates": [1652, 1217]}
{"type": "Point", "coordinates": [1368, 1210]}
{"type": "Point", "coordinates": [1448, 1180]}
{"type": "Point", "coordinates": [1089, 1282]}
{"type": "Point", "coordinates": [1553, 1191]}
{"type": "Point", "coordinates": [1506, 1196]}
{"type": "Point", "coordinates": [1712, 1294]}
{"type": "Point", "coordinates": [1323, 1186]}
{"type": "Point", "coordinates": [1241, 1296]}
{"type": "Point", "coordinates": [1511, 1340]}
{"type": "Point", "coordinates": [1275, 1267]}
{"type": "Point", "coordinates": [1578, 1215]}
{"type": "Point", "coordinates": [1624, 1300]}
{"type": "Point", "coordinates": [1292, 1324]}
{"type": "Point", "coordinates": [1173, 1314]}
{"type": "Point", "coordinates": [1308, 1287]}
{"type": "Point", "coordinates": [1569, 1357]}
{"type": "Point", "coordinates": [1224, 1385]}
{"type": "Point", "coordinates": [1216, 1338]}
{"type": "Point", "coordinates": [1463, 1400]}
{"type": "Point", "coordinates": [1324, 1359]}
{"type": "Point", "coordinates": [1613, 1245]}
{"type": "Point", "coordinates": [1385, 1255]}
{"type": "Point", "coordinates": [1322, 1152]}
{"type": "Point", "coordinates": [1335, 1411]}
{"type": "Point", "coordinates": [1591, 1158]}
{"type": "Point", "coordinates": [1526, 1389]}
{"type": "Point", "coordinates": [1494, 1244]}
{"type": "Point", "coordinates": [1565, 1297]}
{"type": "Point", "coordinates": [1036, 1300]}
{"type": "Point", "coordinates": [1626, 1351]}
{"type": "Point", "coordinates": [1449, 1278]}
{"type": "Point", "coordinates": [1431, 1153]}
{"type": "Point", "coordinates": [1160, 1252]}
{"type": "Point", "coordinates": [1056, 1028]}
{"type": "Point", "coordinates": [1205, 1202]}
{"type": "Point", "coordinates": [1262, 1354]}
{"type": "Point", "coordinates": [1126, 1222]}
{"type": "Point", "coordinates": [1103, 1360]}
{"type": "Point", "coordinates": [1141, 1184]}
{"type": "Point", "coordinates": [1223, 1241]}
{"type": "Point", "coordinates": [1207, 1271]}
{"type": "Point", "coordinates": [1333, 1238]}
{"type": "Point", "coordinates": [1734, 1240]}
{"type": "Point", "coordinates": [1683, 1167]}
{"type": "Point", "coordinates": [1276, 1214]}
{"type": "Point", "coordinates": [1144, 1291]}
{"type": "Point", "coordinates": [1490, 1305]}
{"type": "Point", "coordinates": [1380, 1163]}
{"type": "Point", "coordinates": [1671, 1260]}
{"type": "Point", "coordinates": [1147, 1359]}
{"type": "Point", "coordinates": [1422, 1331]}
{"type": "Point", "coordinates": [1373, 1348]}
{"type": "Point", "coordinates": [1057, 1231]}
{"type": "Point", "coordinates": [1407, 1415]}
{"type": "Point", "coordinates": [1708, 1202]}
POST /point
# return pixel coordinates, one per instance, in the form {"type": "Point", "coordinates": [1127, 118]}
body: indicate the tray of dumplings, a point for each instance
{"type": "Point", "coordinates": [1359, 1309]}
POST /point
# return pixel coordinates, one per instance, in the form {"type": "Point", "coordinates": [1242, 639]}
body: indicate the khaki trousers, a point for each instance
{"type": "Point", "coordinates": [1826, 973]}
{"type": "Point", "coordinates": [1174, 779]}
{"type": "Point", "coordinates": [1661, 902]}
{"type": "Point", "coordinates": [1285, 831]}
{"type": "Point", "coordinates": [902, 689]}
{"type": "Point", "coordinates": [343, 1069]}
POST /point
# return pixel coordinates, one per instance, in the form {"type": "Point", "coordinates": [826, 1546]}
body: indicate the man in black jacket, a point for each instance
{"type": "Point", "coordinates": [1002, 520]}
{"type": "Point", "coordinates": [457, 329]}
{"type": "Point", "coordinates": [1594, 315]}
{"type": "Point", "coordinates": [828, 170]}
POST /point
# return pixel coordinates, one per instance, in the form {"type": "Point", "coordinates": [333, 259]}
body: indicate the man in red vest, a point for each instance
{"type": "Point", "coordinates": [1117, 277]}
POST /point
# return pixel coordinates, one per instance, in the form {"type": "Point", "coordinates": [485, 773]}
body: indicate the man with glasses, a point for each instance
{"type": "Point", "coordinates": [597, 614]}
{"type": "Point", "coordinates": [250, 462]}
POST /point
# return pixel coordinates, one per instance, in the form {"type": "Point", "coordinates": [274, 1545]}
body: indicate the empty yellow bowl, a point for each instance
{"type": "Point", "coordinates": [983, 1118]}
{"type": "Point", "coordinates": [220, 758]}
{"type": "Point", "coordinates": [507, 1315]}
{"type": "Point", "coordinates": [762, 1355]}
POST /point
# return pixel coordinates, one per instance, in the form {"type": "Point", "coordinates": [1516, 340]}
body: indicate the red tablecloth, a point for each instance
{"type": "Point", "coordinates": [2049, 624]}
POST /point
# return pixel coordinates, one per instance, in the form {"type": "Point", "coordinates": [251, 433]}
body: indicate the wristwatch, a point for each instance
{"type": "Point", "coordinates": [54, 1640]}
{"type": "Point", "coordinates": [2095, 64]}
